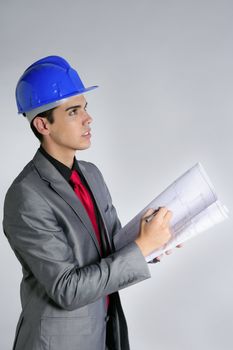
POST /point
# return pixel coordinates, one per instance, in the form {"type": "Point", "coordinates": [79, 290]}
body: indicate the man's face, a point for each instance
{"type": "Point", "coordinates": [71, 126]}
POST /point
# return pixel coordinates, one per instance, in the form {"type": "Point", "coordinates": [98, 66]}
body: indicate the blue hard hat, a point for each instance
{"type": "Point", "coordinates": [47, 83]}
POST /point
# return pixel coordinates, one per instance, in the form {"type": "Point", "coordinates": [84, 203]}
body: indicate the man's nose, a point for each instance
{"type": "Point", "coordinates": [88, 119]}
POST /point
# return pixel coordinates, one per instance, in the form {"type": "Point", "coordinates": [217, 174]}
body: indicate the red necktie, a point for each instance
{"type": "Point", "coordinates": [86, 200]}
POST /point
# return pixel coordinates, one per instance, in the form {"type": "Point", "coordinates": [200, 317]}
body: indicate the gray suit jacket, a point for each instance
{"type": "Point", "coordinates": [65, 280]}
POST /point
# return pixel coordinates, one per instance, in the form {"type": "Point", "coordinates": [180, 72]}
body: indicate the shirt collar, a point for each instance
{"type": "Point", "coordinates": [64, 170]}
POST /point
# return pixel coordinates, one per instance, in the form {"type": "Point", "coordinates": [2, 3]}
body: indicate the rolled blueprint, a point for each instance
{"type": "Point", "coordinates": [194, 204]}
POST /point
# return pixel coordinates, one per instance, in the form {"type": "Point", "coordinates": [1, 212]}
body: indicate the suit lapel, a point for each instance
{"type": "Point", "coordinates": [56, 181]}
{"type": "Point", "coordinates": [90, 179]}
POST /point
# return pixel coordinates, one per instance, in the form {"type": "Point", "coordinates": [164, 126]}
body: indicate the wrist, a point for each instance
{"type": "Point", "coordinates": [141, 246]}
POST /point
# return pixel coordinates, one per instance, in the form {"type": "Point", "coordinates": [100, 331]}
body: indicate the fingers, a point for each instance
{"type": "Point", "coordinates": [180, 245]}
{"type": "Point", "coordinates": [161, 213]}
{"type": "Point", "coordinates": [167, 217]}
{"type": "Point", "coordinates": [159, 257]}
{"type": "Point", "coordinates": [148, 213]}
{"type": "Point", "coordinates": [169, 251]}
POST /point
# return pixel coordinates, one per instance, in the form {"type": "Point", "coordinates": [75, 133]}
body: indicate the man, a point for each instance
{"type": "Point", "coordinates": [61, 223]}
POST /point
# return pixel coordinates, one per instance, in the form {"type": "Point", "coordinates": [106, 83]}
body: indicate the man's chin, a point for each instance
{"type": "Point", "coordinates": [82, 148]}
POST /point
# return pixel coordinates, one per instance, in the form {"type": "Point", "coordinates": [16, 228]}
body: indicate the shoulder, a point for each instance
{"type": "Point", "coordinates": [90, 168]}
{"type": "Point", "coordinates": [26, 185]}
{"type": "Point", "coordinates": [25, 201]}
{"type": "Point", "coordinates": [87, 165]}
{"type": "Point", "coordinates": [24, 174]}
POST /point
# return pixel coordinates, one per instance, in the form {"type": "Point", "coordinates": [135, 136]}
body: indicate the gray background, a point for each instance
{"type": "Point", "coordinates": [165, 102]}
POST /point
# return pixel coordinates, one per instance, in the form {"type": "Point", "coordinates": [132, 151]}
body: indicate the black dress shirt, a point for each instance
{"type": "Point", "coordinates": [62, 168]}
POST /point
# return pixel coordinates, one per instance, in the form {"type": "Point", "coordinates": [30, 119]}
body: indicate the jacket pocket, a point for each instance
{"type": "Point", "coordinates": [57, 312]}
{"type": "Point", "coordinates": [106, 208]}
{"type": "Point", "coordinates": [65, 326]}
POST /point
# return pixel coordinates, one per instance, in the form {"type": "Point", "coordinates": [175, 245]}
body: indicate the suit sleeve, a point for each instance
{"type": "Point", "coordinates": [40, 243]}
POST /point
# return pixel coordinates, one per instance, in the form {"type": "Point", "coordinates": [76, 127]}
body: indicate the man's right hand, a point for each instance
{"type": "Point", "coordinates": [155, 233]}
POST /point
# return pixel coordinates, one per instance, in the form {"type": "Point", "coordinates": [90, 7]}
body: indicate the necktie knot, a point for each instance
{"type": "Point", "coordinates": [74, 178]}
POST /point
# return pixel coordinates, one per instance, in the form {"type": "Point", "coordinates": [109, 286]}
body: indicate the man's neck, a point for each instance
{"type": "Point", "coordinates": [62, 155]}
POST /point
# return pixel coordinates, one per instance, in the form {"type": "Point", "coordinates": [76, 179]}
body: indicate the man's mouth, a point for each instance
{"type": "Point", "coordinates": [87, 133]}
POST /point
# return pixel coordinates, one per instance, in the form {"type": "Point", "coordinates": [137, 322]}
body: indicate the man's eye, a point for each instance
{"type": "Point", "coordinates": [73, 112]}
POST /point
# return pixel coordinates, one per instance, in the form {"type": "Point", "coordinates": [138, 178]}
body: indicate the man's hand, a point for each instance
{"type": "Point", "coordinates": [155, 233]}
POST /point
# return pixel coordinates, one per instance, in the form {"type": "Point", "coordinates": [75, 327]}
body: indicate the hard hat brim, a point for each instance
{"type": "Point", "coordinates": [30, 115]}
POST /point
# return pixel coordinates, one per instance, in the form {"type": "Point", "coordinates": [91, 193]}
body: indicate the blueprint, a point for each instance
{"type": "Point", "coordinates": [194, 204]}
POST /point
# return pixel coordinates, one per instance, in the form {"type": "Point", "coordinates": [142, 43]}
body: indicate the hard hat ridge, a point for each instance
{"type": "Point", "coordinates": [57, 60]}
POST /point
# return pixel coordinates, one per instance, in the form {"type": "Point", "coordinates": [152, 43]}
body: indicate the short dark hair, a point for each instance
{"type": "Point", "coordinates": [49, 116]}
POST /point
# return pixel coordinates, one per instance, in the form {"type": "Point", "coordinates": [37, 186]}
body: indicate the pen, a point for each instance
{"type": "Point", "coordinates": [149, 217]}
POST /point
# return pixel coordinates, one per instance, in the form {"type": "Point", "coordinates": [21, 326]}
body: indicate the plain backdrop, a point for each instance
{"type": "Point", "coordinates": [165, 75]}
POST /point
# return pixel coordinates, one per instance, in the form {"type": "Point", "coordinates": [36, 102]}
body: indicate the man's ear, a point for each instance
{"type": "Point", "coordinates": [41, 125]}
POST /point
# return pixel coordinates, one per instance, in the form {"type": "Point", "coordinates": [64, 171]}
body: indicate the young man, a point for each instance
{"type": "Point", "coordinates": [61, 223]}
